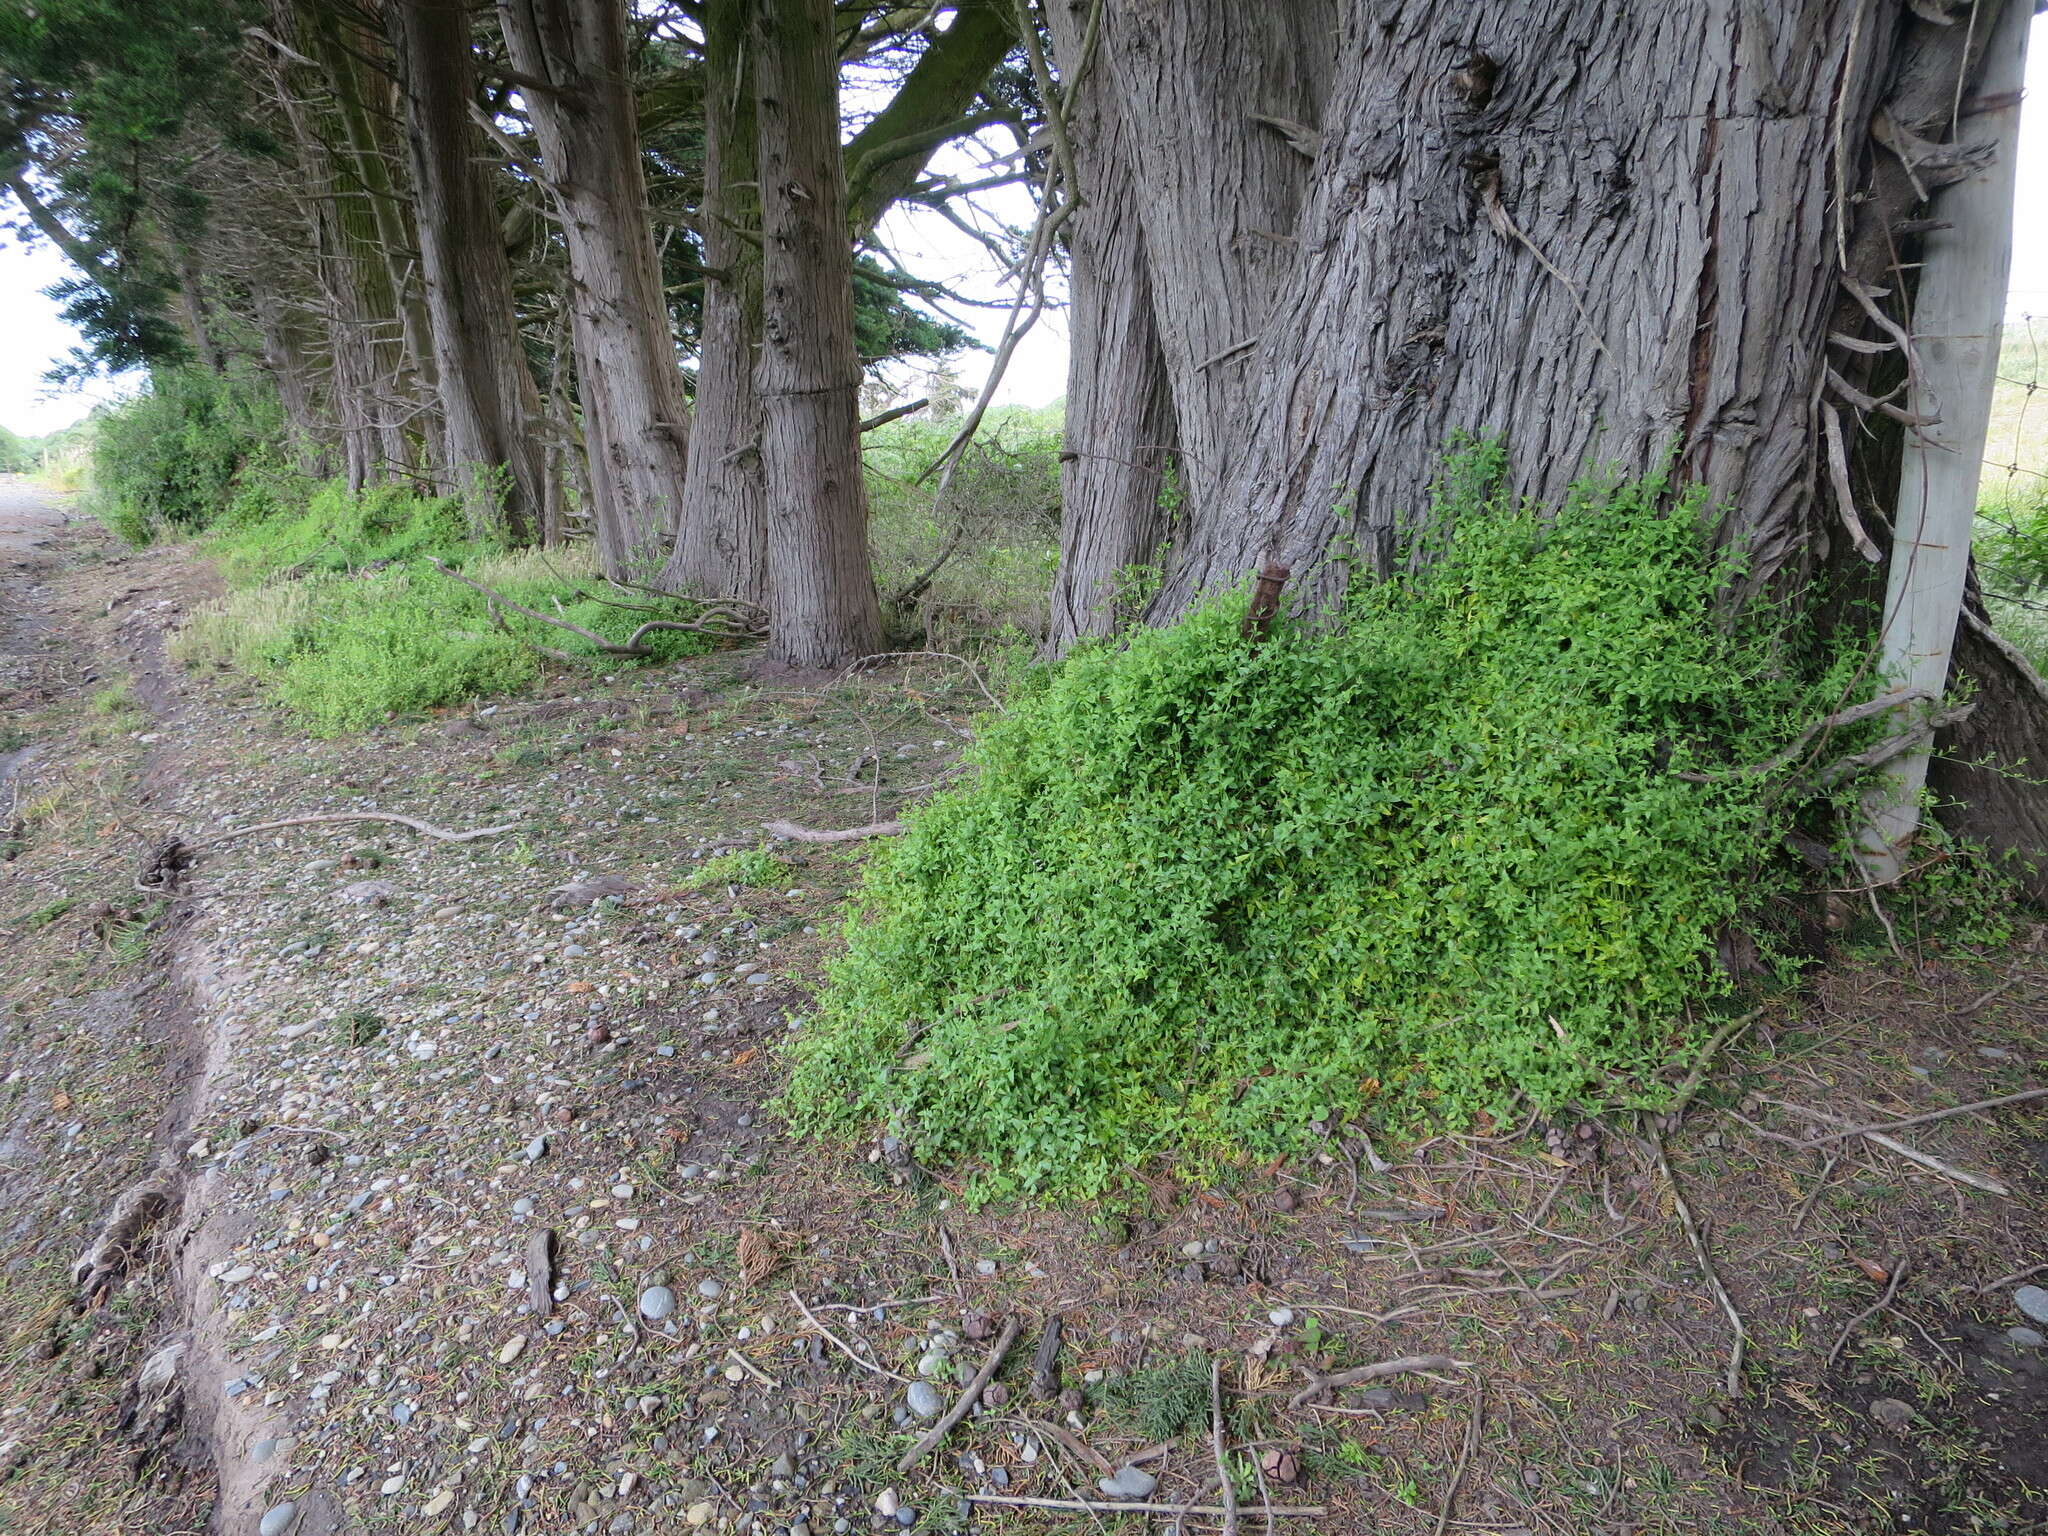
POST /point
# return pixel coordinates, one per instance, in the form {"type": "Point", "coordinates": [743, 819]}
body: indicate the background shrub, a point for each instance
{"type": "Point", "coordinates": [168, 458]}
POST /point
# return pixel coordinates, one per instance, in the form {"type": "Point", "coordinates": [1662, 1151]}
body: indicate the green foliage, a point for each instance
{"type": "Point", "coordinates": [998, 528]}
{"type": "Point", "coordinates": [344, 648]}
{"type": "Point", "coordinates": [1164, 1401]}
{"type": "Point", "coordinates": [746, 866]}
{"type": "Point", "coordinates": [279, 524]}
{"type": "Point", "coordinates": [169, 458]}
{"type": "Point", "coordinates": [1204, 892]}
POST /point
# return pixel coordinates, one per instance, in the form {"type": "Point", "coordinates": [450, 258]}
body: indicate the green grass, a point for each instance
{"type": "Point", "coordinates": [342, 651]}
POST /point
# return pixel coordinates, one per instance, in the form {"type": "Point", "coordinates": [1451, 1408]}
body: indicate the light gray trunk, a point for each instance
{"type": "Point", "coordinates": [821, 594]}
{"type": "Point", "coordinates": [585, 121]}
{"type": "Point", "coordinates": [1216, 96]}
{"type": "Point", "coordinates": [721, 550]}
{"type": "Point", "coordinates": [489, 403]}
{"type": "Point", "coordinates": [1119, 416]}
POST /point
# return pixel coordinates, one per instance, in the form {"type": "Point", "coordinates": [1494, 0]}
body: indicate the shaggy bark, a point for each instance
{"type": "Point", "coordinates": [721, 548]}
{"type": "Point", "coordinates": [488, 400]}
{"type": "Point", "coordinates": [1613, 236]}
{"type": "Point", "coordinates": [1119, 420]}
{"type": "Point", "coordinates": [821, 595]}
{"type": "Point", "coordinates": [1222, 104]}
{"type": "Point", "coordinates": [572, 55]}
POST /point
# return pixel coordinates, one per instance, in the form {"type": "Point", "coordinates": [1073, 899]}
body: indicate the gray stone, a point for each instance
{"type": "Point", "coordinates": [277, 1520]}
{"type": "Point", "coordinates": [657, 1302]}
{"type": "Point", "coordinates": [2032, 1300]}
{"type": "Point", "coordinates": [536, 1149]}
{"type": "Point", "coordinates": [262, 1451]}
{"type": "Point", "coordinates": [522, 1206]}
{"type": "Point", "coordinates": [1128, 1483]}
{"type": "Point", "coordinates": [2026, 1338]}
{"type": "Point", "coordinates": [925, 1400]}
{"type": "Point", "coordinates": [710, 1290]}
{"type": "Point", "coordinates": [1891, 1413]}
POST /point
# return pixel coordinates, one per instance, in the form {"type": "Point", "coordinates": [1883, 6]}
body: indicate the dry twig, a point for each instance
{"type": "Point", "coordinates": [964, 1403]}
{"type": "Point", "coordinates": [1318, 1385]}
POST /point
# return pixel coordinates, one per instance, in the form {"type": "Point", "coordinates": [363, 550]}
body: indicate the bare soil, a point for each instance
{"type": "Point", "coordinates": [384, 1067]}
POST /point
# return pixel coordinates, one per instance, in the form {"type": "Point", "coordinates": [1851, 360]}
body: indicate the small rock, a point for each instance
{"type": "Point", "coordinates": [1192, 1249]}
{"type": "Point", "coordinates": [536, 1149]}
{"type": "Point", "coordinates": [886, 1503]}
{"type": "Point", "coordinates": [926, 1401]}
{"type": "Point", "coordinates": [2026, 1338]}
{"type": "Point", "coordinates": [509, 1351]}
{"type": "Point", "coordinates": [2032, 1300]}
{"type": "Point", "coordinates": [985, 1266]}
{"type": "Point", "coordinates": [699, 1513]}
{"type": "Point", "coordinates": [522, 1206]}
{"type": "Point", "coordinates": [1128, 1483]}
{"type": "Point", "coordinates": [710, 1290]}
{"type": "Point", "coordinates": [277, 1520]}
{"type": "Point", "coordinates": [1280, 1317]}
{"type": "Point", "coordinates": [438, 1504]}
{"type": "Point", "coordinates": [1891, 1413]}
{"type": "Point", "coordinates": [657, 1302]}
{"type": "Point", "coordinates": [368, 893]}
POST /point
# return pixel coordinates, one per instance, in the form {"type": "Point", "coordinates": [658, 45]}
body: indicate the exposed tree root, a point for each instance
{"type": "Point", "coordinates": [111, 1253]}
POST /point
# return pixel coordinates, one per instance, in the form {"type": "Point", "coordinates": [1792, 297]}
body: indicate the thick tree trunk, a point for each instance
{"type": "Point", "coordinates": [722, 547]}
{"type": "Point", "coordinates": [821, 594]}
{"type": "Point", "coordinates": [489, 403]}
{"type": "Point", "coordinates": [1222, 105]}
{"type": "Point", "coordinates": [1119, 421]}
{"type": "Point", "coordinates": [1988, 770]}
{"type": "Point", "coordinates": [1571, 232]}
{"type": "Point", "coordinates": [580, 96]}
{"type": "Point", "coordinates": [1612, 236]}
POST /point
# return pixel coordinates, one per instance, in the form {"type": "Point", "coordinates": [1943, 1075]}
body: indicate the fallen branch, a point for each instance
{"type": "Point", "coordinates": [797, 834]}
{"type": "Point", "coordinates": [964, 1403]}
{"type": "Point", "coordinates": [1926, 1160]}
{"type": "Point", "coordinates": [1853, 715]}
{"type": "Point", "coordinates": [1706, 1263]}
{"type": "Point", "coordinates": [726, 630]}
{"type": "Point", "coordinates": [1698, 1076]}
{"type": "Point", "coordinates": [1223, 1483]}
{"type": "Point", "coordinates": [1891, 1289]}
{"type": "Point", "coordinates": [1471, 1443]}
{"type": "Point", "coordinates": [972, 672]}
{"type": "Point", "coordinates": [424, 828]}
{"type": "Point", "coordinates": [1112, 1507]}
{"type": "Point", "coordinates": [1931, 1115]}
{"type": "Point", "coordinates": [840, 1344]}
{"type": "Point", "coordinates": [1318, 1385]}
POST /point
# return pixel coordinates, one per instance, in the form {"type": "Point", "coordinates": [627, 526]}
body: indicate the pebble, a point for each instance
{"type": "Point", "coordinates": [657, 1302]}
{"type": "Point", "coordinates": [2032, 1300]}
{"type": "Point", "coordinates": [277, 1519]}
{"type": "Point", "coordinates": [536, 1149]}
{"type": "Point", "coordinates": [699, 1513]}
{"type": "Point", "coordinates": [438, 1503]}
{"type": "Point", "coordinates": [926, 1401]}
{"type": "Point", "coordinates": [243, 1272]}
{"type": "Point", "coordinates": [509, 1350]}
{"type": "Point", "coordinates": [1128, 1483]}
{"type": "Point", "coordinates": [1280, 1317]}
{"type": "Point", "coordinates": [886, 1503]}
{"type": "Point", "coordinates": [522, 1206]}
{"type": "Point", "coordinates": [2026, 1338]}
{"type": "Point", "coordinates": [985, 1266]}
{"type": "Point", "coordinates": [1891, 1413]}
{"type": "Point", "coordinates": [710, 1290]}
{"type": "Point", "coordinates": [1192, 1249]}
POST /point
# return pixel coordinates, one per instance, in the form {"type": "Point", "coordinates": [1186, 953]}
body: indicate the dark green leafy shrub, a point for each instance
{"type": "Point", "coordinates": [168, 459]}
{"type": "Point", "coordinates": [1420, 864]}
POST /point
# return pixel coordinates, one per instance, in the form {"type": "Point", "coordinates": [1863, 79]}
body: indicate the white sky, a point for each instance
{"type": "Point", "coordinates": [33, 337]}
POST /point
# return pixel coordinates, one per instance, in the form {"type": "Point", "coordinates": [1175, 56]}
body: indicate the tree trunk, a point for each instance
{"type": "Point", "coordinates": [1222, 104]}
{"type": "Point", "coordinates": [721, 550]}
{"type": "Point", "coordinates": [1628, 237]}
{"type": "Point", "coordinates": [580, 95]}
{"type": "Point", "coordinates": [1119, 419]}
{"type": "Point", "coordinates": [488, 400]}
{"type": "Point", "coordinates": [821, 593]}
{"type": "Point", "coordinates": [1568, 233]}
